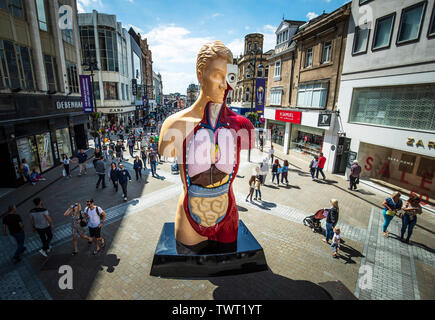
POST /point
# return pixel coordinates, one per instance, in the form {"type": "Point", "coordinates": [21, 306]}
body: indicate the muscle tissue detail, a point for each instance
{"type": "Point", "coordinates": [207, 148]}
{"type": "Point", "coordinates": [209, 210]}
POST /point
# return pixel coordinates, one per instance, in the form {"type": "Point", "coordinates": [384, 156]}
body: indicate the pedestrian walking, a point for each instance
{"type": "Point", "coordinates": [100, 168]}
{"type": "Point", "coordinates": [95, 216]}
{"type": "Point", "coordinates": [137, 166]}
{"type": "Point", "coordinates": [14, 223]}
{"type": "Point", "coordinates": [331, 220]}
{"type": "Point", "coordinates": [320, 166]}
{"type": "Point", "coordinates": [275, 173]}
{"type": "Point", "coordinates": [78, 222]}
{"type": "Point", "coordinates": [271, 153]}
{"type": "Point", "coordinates": [284, 172]}
{"type": "Point", "coordinates": [261, 143]}
{"type": "Point", "coordinates": [111, 149]}
{"type": "Point", "coordinates": [143, 154]}
{"type": "Point", "coordinates": [130, 143]}
{"type": "Point", "coordinates": [97, 155]}
{"type": "Point", "coordinates": [66, 165]}
{"type": "Point", "coordinates": [42, 223]}
{"type": "Point", "coordinates": [82, 157]}
{"type": "Point", "coordinates": [264, 169]}
{"type": "Point", "coordinates": [119, 149]}
{"type": "Point", "coordinates": [313, 166]}
{"type": "Point", "coordinates": [123, 178]}
{"type": "Point", "coordinates": [152, 160]}
{"type": "Point", "coordinates": [258, 180]}
{"type": "Point", "coordinates": [113, 175]}
{"type": "Point", "coordinates": [409, 218]}
{"type": "Point", "coordinates": [251, 188]}
{"type": "Point", "coordinates": [105, 152]}
{"type": "Point", "coordinates": [335, 243]}
{"type": "Point", "coordinates": [355, 171]}
{"type": "Point", "coordinates": [391, 206]}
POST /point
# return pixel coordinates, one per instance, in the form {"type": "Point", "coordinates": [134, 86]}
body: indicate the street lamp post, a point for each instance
{"type": "Point", "coordinates": [91, 64]}
{"type": "Point", "coordinates": [253, 67]}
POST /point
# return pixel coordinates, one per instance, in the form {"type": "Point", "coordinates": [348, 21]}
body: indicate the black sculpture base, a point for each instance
{"type": "Point", "coordinates": [207, 259]}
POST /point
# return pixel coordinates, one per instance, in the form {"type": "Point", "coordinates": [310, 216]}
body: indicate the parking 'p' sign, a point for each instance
{"type": "Point", "coordinates": [66, 16]}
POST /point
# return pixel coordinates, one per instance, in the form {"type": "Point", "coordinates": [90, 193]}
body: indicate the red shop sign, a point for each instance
{"type": "Point", "coordinates": [288, 116]}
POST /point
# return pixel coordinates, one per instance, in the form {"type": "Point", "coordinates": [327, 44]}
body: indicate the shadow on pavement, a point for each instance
{"type": "Point", "coordinates": [349, 253]}
{"type": "Point", "coordinates": [264, 204]}
{"type": "Point", "coordinates": [270, 186]}
{"type": "Point", "coordinates": [366, 193]}
{"type": "Point", "coordinates": [266, 285]}
{"type": "Point", "coordinates": [241, 209]}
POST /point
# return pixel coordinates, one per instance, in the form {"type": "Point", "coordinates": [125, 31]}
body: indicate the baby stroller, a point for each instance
{"type": "Point", "coordinates": [174, 167]}
{"type": "Point", "coordinates": [314, 221]}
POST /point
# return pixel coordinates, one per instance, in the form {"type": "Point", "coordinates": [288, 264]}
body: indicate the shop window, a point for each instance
{"type": "Point", "coordinates": [312, 95]}
{"type": "Point", "coordinates": [277, 133]}
{"type": "Point", "coordinates": [306, 140]}
{"type": "Point", "coordinates": [63, 142]}
{"type": "Point", "coordinates": [42, 18]}
{"type": "Point", "coordinates": [27, 149]}
{"type": "Point", "coordinates": [326, 53]}
{"type": "Point", "coordinates": [361, 40]}
{"type": "Point", "coordinates": [395, 106]}
{"type": "Point", "coordinates": [426, 168]}
{"type": "Point", "coordinates": [410, 23]}
{"type": "Point", "coordinates": [383, 32]}
{"type": "Point", "coordinates": [110, 90]}
{"type": "Point", "coordinates": [45, 152]}
{"type": "Point", "coordinates": [407, 163]}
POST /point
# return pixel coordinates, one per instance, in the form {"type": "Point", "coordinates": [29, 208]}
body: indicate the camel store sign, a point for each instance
{"type": "Point", "coordinates": [419, 143]}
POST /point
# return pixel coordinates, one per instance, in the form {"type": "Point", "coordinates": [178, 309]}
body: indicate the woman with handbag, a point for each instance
{"type": "Point", "coordinates": [113, 175]}
{"type": "Point", "coordinates": [66, 161]}
{"type": "Point", "coordinates": [391, 206]}
{"type": "Point", "coordinates": [78, 222]}
{"type": "Point", "coordinates": [409, 217]}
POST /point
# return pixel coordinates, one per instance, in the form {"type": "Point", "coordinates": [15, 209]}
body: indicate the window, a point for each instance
{"type": "Point", "coordinates": [426, 168]}
{"type": "Point", "coordinates": [383, 32]}
{"type": "Point", "coordinates": [72, 77]}
{"type": "Point", "coordinates": [107, 39]}
{"type": "Point", "coordinates": [96, 91]}
{"type": "Point", "coordinates": [42, 19]}
{"type": "Point", "coordinates": [126, 91]}
{"type": "Point", "coordinates": [88, 44]}
{"type": "Point", "coordinates": [249, 46]}
{"type": "Point", "coordinates": [411, 106]}
{"type": "Point", "coordinates": [431, 30]}
{"type": "Point", "coordinates": [277, 73]}
{"type": "Point", "coordinates": [266, 72]}
{"type": "Point", "coordinates": [309, 58]}
{"type": "Point", "coordinates": [14, 7]}
{"type": "Point", "coordinates": [110, 90]}
{"type": "Point", "coordinates": [16, 69]}
{"type": "Point", "coordinates": [122, 91]}
{"type": "Point", "coordinates": [326, 54]}
{"type": "Point", "coordinates": [360, 41]}
{"type": "Point", "coordinates": [247, 95]}
{"type": "Point", "coordinates": [255, 45]}
{"type": "Point", "coordinates": [259, 73]}
{"type": "Point", "coordinates": [51, 72]}
{"type": "Point", "coordinates": [410, 23]}
{"type": "Point", "coordinates": [275, 97]}
{"type": "Point", "coordinates": [67, 36]}
{"type": "Point", "coordinates": [313, 95]}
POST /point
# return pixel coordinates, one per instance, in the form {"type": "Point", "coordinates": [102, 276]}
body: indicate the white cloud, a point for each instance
{"type": "Point", "coordinates": [311, 15]}
{"type": "Point", "coordinates": [236, 46]}
{"type": "Point", "coordinates": [246, 27]}
{"type": "Point", "coordinates": [89, 5]}
{"type": "Point", "coordinates": [269, 41]}
{"type": "Point", "coordinates": [174, 52]}
{"type": "Point", "coordinates": [215, 15]}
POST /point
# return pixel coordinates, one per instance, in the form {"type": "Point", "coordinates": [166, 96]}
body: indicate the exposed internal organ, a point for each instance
{"type": "Point", "coordinates": [209, 210]}
{"type": "Point", "coordinates": [211, 178]}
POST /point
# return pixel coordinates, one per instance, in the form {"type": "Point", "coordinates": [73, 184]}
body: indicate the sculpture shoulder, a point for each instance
{"type": "Point", "coordinates": [237, 121]}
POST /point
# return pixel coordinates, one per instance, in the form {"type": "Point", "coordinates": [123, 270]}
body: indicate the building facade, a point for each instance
{"type": "Point", "coordinates": [303, 86]}
{"type": "Point", "coordinates": [387, 94]}
{"type": "Point", "coordinates": [41, 115]}
{"type": "Point", "coordinates": [105, 41]}
{"type": "Point", "coordinates": [192, 94]}
{"type": "Point", "coordinates": [243, 94]}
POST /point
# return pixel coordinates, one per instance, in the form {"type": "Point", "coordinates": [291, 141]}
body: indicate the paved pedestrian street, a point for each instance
{"type": "Point", "coordinates": [300, 264]}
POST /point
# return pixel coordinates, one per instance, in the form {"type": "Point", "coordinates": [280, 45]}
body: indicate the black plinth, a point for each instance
{"type": "Point", "coordinates": [208, 259]}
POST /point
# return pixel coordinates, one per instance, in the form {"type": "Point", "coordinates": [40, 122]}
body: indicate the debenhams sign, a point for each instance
{"type": "Point", "coordinates": [69, 104]}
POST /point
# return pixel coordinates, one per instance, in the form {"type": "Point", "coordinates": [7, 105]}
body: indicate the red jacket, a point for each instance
{"type": "Point", "coordinates": [321, 163]}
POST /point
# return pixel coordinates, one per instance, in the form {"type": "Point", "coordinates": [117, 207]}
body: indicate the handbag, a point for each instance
{"type": "Point", "coordinates": [391, 213]}
{"type": "Point", "coordinates": [63, 172]}
{"type": "Point", "coordinates": [83, 222]}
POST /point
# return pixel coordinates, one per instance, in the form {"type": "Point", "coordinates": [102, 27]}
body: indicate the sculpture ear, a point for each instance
{"type": "Point", "coordinates": [199, 76]}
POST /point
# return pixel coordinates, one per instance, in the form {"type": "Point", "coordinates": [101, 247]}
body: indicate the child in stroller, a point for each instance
{"type": "Point", "coordinates": [314, 221]}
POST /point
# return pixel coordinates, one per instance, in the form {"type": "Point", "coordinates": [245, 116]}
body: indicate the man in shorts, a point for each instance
{"type": "Point", "coordinates": [82, 157]}
{"type": "Point", "coordinates": [96, 217]}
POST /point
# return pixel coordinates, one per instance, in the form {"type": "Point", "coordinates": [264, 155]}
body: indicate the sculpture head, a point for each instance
{"type": "Point", "coordinates": [211, 70]}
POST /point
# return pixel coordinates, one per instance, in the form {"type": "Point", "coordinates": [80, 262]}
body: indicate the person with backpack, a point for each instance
{"type": "Point", "coordinates": [284, 172]}
{"type": "Point", "coordinates": [95, 217]}
{"type": "Point", "coordinates": [137, 166]}
{"type": "Point", "coordinates": [78, 223]}
{"type": "Point", "coordinates": [16, 229]}
{"type": "Point", "coordinates": [313, 166]}
{"type": "Point", "coordinates": [123, 178]}
{"type": "Point", "coordinates": [42, 223]}
{"type": "Point", "coordinates": [100, 168]}
{"type": "Point", "coordinates": [275, 172]}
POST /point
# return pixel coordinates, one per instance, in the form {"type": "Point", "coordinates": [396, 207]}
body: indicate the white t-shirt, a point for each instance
{"type": "Point", "coordinates": [271, 151]}
{"type": "Point", "coordinates": [335, 238]}
{"type": "Point", "coordinates": [94, 218]}
{"type": "Point", "coordinates": [66, 161]}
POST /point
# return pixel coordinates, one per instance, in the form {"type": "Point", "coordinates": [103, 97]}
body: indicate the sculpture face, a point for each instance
{"type": "Point", "coordinates": [213, 81]}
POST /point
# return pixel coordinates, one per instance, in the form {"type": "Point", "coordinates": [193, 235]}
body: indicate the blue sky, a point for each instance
{"type": "Point", "coordinates": [176, 29]}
